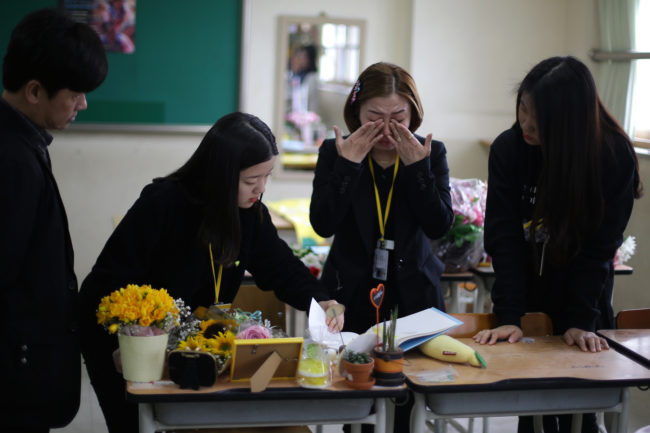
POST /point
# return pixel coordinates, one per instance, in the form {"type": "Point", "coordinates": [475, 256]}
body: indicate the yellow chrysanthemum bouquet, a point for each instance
{"type": "Point", "coordinates": [142, 317]}
{"type": "Point", "coordinates": [138, 310]}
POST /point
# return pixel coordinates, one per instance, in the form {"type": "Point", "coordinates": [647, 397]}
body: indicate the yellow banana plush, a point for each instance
{"type": "Point", "coordinates": [446, 348]}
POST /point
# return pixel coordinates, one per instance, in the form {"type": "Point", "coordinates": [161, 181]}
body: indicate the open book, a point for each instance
{"type": "Point", "coordinates": [410, 331]}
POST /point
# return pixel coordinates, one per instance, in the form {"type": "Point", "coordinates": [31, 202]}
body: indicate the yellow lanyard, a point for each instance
{"type": "Point", "coordinates": [382, 220]}
{"type": "Point", "coordinates": [217, 281]}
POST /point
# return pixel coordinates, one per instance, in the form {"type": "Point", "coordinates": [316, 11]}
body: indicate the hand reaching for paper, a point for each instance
{"type": "Point", "coordinates": [334, 316]}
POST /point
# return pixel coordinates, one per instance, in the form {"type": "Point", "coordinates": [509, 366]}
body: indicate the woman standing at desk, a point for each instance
{"type": "Point", "coordinates": [561, 186]}
{"type": "Point", "coordinates": [383, 193]}
{"type": "Point", "coordinates": [205, 216]}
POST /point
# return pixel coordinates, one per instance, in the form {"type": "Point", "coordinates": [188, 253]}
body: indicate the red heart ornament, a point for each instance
{"type": "Point", "coordinates": [377, 295]}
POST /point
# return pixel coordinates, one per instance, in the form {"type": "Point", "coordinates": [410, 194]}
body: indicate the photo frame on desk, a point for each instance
{"type": "Point", "coordinates": [249, 355]}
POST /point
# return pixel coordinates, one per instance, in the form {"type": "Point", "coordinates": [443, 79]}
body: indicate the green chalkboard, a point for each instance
{"type": "Point", "coordinates": [184, 71]}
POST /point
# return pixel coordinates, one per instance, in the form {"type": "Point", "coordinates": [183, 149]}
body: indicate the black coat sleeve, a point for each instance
{"type": "Point", "coordinates": [429, 197]}
{"type": "Point", "coordinates": [503, 235]}
{"type": "Point", "coordinates": [588, 275]}
{"type": "Point", "coordinates": [275, 267]}
{"type": "Point", "coordinates": [335, 181]}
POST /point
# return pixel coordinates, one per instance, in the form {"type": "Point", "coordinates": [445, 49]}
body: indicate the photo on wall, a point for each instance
{"type": "Point", "coordinates": [114, 20]}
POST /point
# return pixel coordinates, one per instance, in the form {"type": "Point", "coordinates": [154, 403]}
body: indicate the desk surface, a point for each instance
{"type": "Point", "coordinates": [547, 362]}
{"type": "Point", "coordinates": [634, 343]}
{"type": "Point", "coordinates": [223, 389]}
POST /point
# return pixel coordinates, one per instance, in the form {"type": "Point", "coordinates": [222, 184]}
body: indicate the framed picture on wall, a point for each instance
{"type": "Point", "coordinates": [114, 20]}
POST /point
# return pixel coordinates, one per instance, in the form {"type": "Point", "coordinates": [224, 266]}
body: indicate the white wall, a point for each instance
{"type": "Point", "coordinates": [469, 57]}
{"type": "Point", "coordinates": [387, 36]}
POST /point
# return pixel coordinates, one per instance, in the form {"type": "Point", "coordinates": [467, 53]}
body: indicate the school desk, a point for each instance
{"type": "Point", "coordinates": [541, 377]}
{"type": "Point", "coordinates": [634, 343]}
{"type": "Point", "coordinates": [163, 405]}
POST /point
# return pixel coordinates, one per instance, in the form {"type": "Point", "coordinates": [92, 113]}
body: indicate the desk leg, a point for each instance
{"type": "Point", "coordinates": [576, 423]}
{"type": "Point", "coordinates": [452, 286]}
{"type": "Point", "coordinates": [482, 284]}
{"type": "Point", "coordinates": [381, 416]}
{"type": "Point", "coordinates": [418, 413]}
{"type": "Point", "coordinates": [625, 410]}
{"type": "Point", "coordinates": [145, 411]}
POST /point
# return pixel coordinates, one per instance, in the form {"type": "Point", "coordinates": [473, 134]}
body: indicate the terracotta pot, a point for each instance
{"type": "Point", "coordinates": [388, 367]}
{"type": "Point", "coordinates": [358, 376]}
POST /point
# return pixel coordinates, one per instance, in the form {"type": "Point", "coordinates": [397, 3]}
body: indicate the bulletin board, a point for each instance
{"type": "Point", "coordinates": [184, 71]}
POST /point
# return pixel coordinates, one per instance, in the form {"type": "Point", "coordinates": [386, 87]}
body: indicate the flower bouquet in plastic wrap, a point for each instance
{"type": "Point", "coordinates": [462, 247]}
{"type": "Point", "coordinates": [204, 350]}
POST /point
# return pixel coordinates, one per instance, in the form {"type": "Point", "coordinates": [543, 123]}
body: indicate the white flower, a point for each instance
{"type": "Point", "coordinates": [626, 250]}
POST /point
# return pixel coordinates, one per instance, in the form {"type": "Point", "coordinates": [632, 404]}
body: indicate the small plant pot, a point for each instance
{"type": "Point", "coordinates": [388, 367]}
{"type": "Point", "coordinates": [358, 376]}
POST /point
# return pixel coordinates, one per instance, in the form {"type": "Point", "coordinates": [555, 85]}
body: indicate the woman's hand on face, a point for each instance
{"type": "Point", "coordinates": [585, 340]}
{"type": "Point", "coordinates": [490, 336]}
{"type": "Point", "coordinates": [409, 148]}
{"type": "Point", "coordinates": [335, 323]}
{"type": "Point", "coordinates": [357, 145]}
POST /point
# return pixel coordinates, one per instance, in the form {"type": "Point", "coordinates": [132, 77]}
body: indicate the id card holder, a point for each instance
{"type": "Point", "coordinates": [380, 264]}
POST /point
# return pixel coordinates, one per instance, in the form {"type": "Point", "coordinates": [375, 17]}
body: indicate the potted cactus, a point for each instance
{"type": "Point", "coordinates": [356, 368]}
{"type": "Point", "coordinates": [389, 358]}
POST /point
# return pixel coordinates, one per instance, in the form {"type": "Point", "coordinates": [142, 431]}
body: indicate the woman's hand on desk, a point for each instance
{"type": "Point", "coordinates": [334, 323]}
{"type": "Point", "coordinates": [509, 333]}
{"type": "Point", "coordinates": [585, 340]}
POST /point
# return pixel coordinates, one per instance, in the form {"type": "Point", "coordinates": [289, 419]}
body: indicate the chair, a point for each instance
{"type": "Point", "coordinates": [532, 324]}
{"type": "Point", "coordinates": [633, 319]}
{"type": "Point", "coordinates": [251, 298]}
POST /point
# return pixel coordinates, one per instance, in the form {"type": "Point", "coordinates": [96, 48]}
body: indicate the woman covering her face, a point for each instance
{"type": "Point", "coordinates": [210, 209]}
{"type": "Point", "coordinates": [383, 193]}
{"type": "Point", "coordinates": [561, 186]}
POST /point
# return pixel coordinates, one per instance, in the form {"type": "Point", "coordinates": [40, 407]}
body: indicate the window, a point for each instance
{"type": "Point", "coordinates": [340, 60]}
{"type": "Point", "coordinates": [641, 98]}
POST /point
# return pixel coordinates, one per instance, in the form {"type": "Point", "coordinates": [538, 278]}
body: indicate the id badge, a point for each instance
{"type": "Point", "coordinates": [380, 265]}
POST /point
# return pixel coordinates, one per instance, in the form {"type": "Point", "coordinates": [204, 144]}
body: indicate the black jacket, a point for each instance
{"type": "Point", "coordinates": [343, 204]}
{"type": "Point", "coordinates": [157, 243]}
{"type": "Point", "coordinates": [578, 294]}
{"type": "Point", "coordinates": [40, 359]}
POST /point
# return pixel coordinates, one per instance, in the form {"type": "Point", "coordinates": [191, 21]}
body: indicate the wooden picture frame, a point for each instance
{"type": "Point", "coordinates": [249, 355]}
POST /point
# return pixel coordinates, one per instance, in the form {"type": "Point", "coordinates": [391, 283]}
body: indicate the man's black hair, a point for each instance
{"type": "Point", "coordinates": [59, 52]}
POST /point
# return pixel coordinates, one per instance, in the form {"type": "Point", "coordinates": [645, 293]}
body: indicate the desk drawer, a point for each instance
{"type": "Point", "coordinates": [504, 403]}
{"type": "Point", "coordinates": [259, 411]}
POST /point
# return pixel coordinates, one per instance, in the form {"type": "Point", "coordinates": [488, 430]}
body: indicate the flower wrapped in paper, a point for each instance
{"type": "Point", "coordinates": [462, 247]}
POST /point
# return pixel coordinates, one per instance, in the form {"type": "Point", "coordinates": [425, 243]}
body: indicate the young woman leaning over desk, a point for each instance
{"type": "Point", "coordinates": [209, 210]}
{"type": "Point", "coordinates": [561, 185]}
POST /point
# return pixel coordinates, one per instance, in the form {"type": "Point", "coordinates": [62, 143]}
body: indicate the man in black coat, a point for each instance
{"type": "Point", "coordinates": [50, 64]}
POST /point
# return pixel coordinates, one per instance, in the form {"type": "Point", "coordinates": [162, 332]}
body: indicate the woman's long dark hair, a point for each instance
{"type": "Point", "coordinates": [211, 178]}
{"type": "Point", "coordinates": [576, 132]}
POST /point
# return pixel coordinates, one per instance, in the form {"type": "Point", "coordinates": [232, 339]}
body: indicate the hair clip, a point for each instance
{"type": "Point", "coordinates": [355, 90]}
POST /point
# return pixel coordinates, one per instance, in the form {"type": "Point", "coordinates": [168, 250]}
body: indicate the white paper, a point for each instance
{"type": "Point", "coordinates": [320, 333]}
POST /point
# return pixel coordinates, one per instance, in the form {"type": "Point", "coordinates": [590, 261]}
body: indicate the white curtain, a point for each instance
{"type": "Point", "coordinates": [616, 79]}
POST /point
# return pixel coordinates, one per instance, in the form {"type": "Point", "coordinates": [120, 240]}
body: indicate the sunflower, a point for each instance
{"type": "Point", "coordinates": [223, 343]}
{"type": "Point", "coordinates": [211, 328]}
